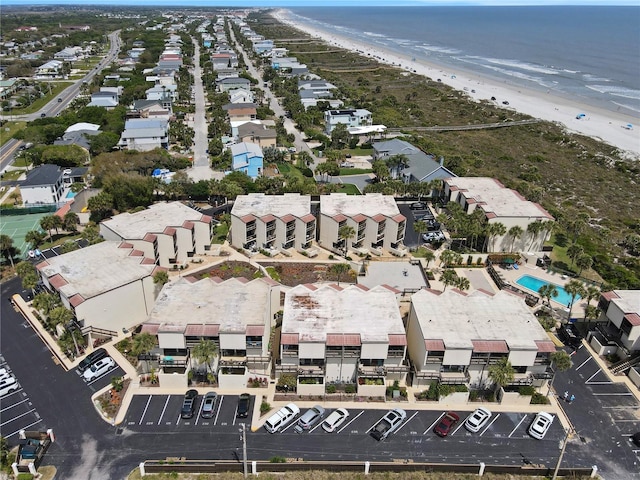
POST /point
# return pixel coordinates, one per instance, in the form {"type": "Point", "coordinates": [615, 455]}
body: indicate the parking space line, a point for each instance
{"type": "Point", "coordinates": [19, 416]}
{"type": "Point", "coordinates": [491, 423]}
{"type": "Point", "coordinates": [215, 422]}
{"type": "Point", "coordinates": [519, 423]}
{"type": "Point", "coordinates": [23, 428]}
{"type": "Point", "coordinates": [406, 421]}
{"type": "Point", "coordinates": [199, 412]}
{"type": "Point", "coordinates": [145, 410]}
{"type": "Point", "coordinates": [319, 423]}
{"type": "Point", "coordinates": [353, 420]}
{"type": "Point", "coordinates": [11, 406]}
{"type": "Point", "coordinates": [9, 395]}
{"type": "Point", "coordinates": [613, 394]}
{"type": "Point", "coordinates": [163, 410]}
{"type": "Point", "coordinates": [586, 382]}
{"type": "Point", "coordinates": [102, 376]}
{"type": "Point", "coordinates": [459, 427]}
{"type": "Point", "coordinates": [433, 424]}
{"type": "Point", "coordinates": [293, 422]}
{"type": "Point", "coordinates": [583, 364]}
{"type": "Point", "coordinates": [235, 416]}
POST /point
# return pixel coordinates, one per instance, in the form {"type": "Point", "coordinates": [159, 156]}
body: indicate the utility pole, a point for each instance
{"type": "Point", "coordinates": [564, 446]}
{"type": "Point", "coordinates": [244, 449]}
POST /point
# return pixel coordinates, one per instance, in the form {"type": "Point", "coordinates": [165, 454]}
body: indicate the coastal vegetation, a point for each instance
{"type": "Point", "coordinates": [588, 186]}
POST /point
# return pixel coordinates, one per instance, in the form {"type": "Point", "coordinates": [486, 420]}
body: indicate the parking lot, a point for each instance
{"type": "Point", "coordinates": [16, 410]}
{"type": "Point", "coordinates": [103, 380]}
{"type": "Point", "coordinates": [413, 239]}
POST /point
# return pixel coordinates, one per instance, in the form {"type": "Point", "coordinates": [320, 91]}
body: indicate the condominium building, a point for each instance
{"type": "Point", "coordinates": [501, 205]}
{"type": "Point", "coordinates": [342, 335]}
{"type": "Point", "coordinates": [620, 320]}
{"type": "Point", "coordinates": [272, 222]}
{"type": "Point", "coordinates": [108, 286]}
{"type": "Point", "coordinates": [376, 221]}
{"type": "Point", "coordinates": [169, 233]}
{"type": "Point", "coordinates": [235, 314]}
{"type": "Point", "coordinates": [454, 338]}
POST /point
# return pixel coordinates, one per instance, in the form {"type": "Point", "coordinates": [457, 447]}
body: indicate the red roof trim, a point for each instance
{"type": "Point", "coordinates": [255, 330]}
{"type": "Point", "coordinates": [289, 339]}
{"type": "Point", "coordinates": [150, 328]}
{"type": "Point", "coordinates": [378, 218]}
{"type": "Point", "coordinates": [57, 281]}
{"type": "Point", "coordinates": [434, 345]}
{"type": "Point", "coordinates": [397, 339]}
{"type": "Point", "coordinates": [490, 346]}
{"type": "Point", "coordinates": [339, 217]}
{"type": "Point", "coordinates": [545, 346]}
{"type": "Point", "coordinates": [288, 218]}
{"type": "Point", "coordinates": [308, 218]}
{"type": "Point", "coordinates": [633, 319]}
{"type": "Point", "coordinates": [205, 330]}
{"type": "Point", "coordinates": [76, 300]}
{"type": "Point", "coordinates": [268, 218]}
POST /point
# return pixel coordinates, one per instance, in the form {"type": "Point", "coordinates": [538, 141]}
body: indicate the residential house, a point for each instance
{"type": "Point", "coordinates": [421, 167]}
{"type": "Point", "coordinates": [247, 158]}
{"type": "Point", "coordinates": [228, 84]}
{"type": "Point", "coordinates": [69, 54]}
{"type": "Point", "coordinates": [350, 334]}
{"type": "Point", "coordinates": [222, 73]}
{"type": "Point", "coordinates": [311, 98]}
{"type": "Point", "coordinates": [350, 117]}
{"type": "Point", "coordinates": [77, 134]}
{"type": "Point", "coordinates": [375, 218]}
{"type": "Point", "coordinates": [221, 61]}
{"type": "Point", "coordinates": [8, 87]}
{"type": "Point", "coordinates": [455, 338]}
{"type": "Point", "coordinates": [169, 233]}
{"type": "Point", "coordinates": [144, 134]}
{"type": "Point", "coordinates": [148, 109]}
{"type": "Point", "coordinates": [618, 330]}
{"type": "Point", "coordinates": [240, 111]}
{"type": "Point", "coordinates": [50, 69]}
{"type": "Point", "coordinates": [170, 60]}
{"type": "Point", "coordinates": [318, 86]}
{"type": "Point", "coordinates": [501, 205]}
{"type": "Point", "coordinates": [241, 95]}
{"type": "Point", "coordinates": [236, 315]}
{"type": "Point", "coordinates": [106, 99]}
{"type": "Point", "coordinates": [272, 222]}
{"type": "Point", "coordinates": [257, 133]}
{"type": "Point", "coordinates": [108, 286]}
{"type": "Point", "coordinates": [262, 46]}
{"type": "Point", "coordinates": [43, 185]}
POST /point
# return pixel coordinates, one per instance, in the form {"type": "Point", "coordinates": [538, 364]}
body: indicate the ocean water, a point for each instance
{"type": "Point", "coordinates": [589, 54]}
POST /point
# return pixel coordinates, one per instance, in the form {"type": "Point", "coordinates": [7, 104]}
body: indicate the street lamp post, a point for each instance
{"type": "Point", "coordinates": [244, 449]}
{"type": "Point", "coordinates": [564, 446]}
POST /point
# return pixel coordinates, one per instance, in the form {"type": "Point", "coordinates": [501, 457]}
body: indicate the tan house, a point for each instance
{"type": "Point", "coordinates": [237, 112]}
{"type": "Point", "coordinates": [376, 221]}
{"type": "Point", "coordinates": [257, 133]}
{"type": "Point", "coordinates": [343, 335]}
{"type": "Point", "coordinates": [169, 233]}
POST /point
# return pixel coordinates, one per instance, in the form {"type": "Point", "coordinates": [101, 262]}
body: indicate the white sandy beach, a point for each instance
{"type": "Point", "coordinates": [598, 123]}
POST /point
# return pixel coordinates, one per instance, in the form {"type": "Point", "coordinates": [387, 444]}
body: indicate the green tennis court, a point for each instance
{"type": "Point", "coordinates": [17, 226]}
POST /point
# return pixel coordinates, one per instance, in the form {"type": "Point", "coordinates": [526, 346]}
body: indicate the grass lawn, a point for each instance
{"type": "Point", "coordinates": [220, 234]}
{"type": "Point", "coordinates": [360, 152]}
{"type": "Point", "coordinates": [354, 171]}
{"type": "Point", "coordinates": [21, 162]}
{"type": "Point", "coordinates": [9, 129]}
{"type": "Point", "coordinates": [56, 89]}
{"type": "Point", "coordinates": [11, 175]}
{"type": "Point", "coordinates": [349, 189]}
{"type": "Point", "coordinates": [284, 167]}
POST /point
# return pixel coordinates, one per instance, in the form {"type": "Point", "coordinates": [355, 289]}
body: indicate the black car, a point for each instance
{"type": "Point", "coordinates": [418, 206]}
{"type": "Point", "coordinates": [635, 438]}
{"type": "Point", "coordinates": [243, 405]}
{"type": "Point", "coordinates": [189, 404]}
{"type": "Point", "coordinates": [569, 335]}
{"type": "Point", "coordinates": [92, 358]}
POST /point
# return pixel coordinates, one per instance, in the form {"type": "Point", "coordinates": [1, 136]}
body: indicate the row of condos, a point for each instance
{"type": "Point", "coordinates": [293, 221]}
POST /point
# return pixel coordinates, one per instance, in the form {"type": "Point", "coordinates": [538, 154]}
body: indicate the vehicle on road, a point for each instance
{"type": "Point", "coordinates": [281, 418]}
{"type": "Point", "coordinates": [477, 420]}
{"type": "Point", "coordinates": [347, 165]}
{"type": "Point", "coordinates": [309, 419]}
{"type": "Point", "coordinates": [189, 404]}
{"type": "Point", "coordinates": [418, 206]}
{"type": "Point", "coordinates": [98, 369]}
{"type": "Point", "coordinates": [505, 102]}
{"type": "Point", "coordinates": [446, 424]}
{"type": "Point", "coordinates": [43, 115]}
{"type": "Point", "coordinates": [92, 358]}
{"type": "Point", "coordinates": [8, 385]}
{"type": "Point", "coordinates": [334, 420]}
{"type": "Point", "coordinates": [540, 425]}
{"type": "Point", "coordinates": [208, 405]}
{"type": "Point", "coordinates": [635, 438]}
{"type": "Point", "coordinates": [243, 405]}
{"type": "Point", "coordinates": [59, 100]}
{"type": "Point", "coordinates": [388, 424]}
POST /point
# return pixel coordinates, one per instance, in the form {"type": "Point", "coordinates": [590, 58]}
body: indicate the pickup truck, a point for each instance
{"type": "Point", "coordinates": [388, 424]}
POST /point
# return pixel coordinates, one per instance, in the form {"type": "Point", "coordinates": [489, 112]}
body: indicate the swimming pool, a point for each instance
{"type": "Point", "coordinates": [533, 283]}
{"type": "Point", "coordinates": [70, 194]}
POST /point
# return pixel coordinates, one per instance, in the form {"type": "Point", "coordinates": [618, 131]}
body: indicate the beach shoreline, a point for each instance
{"type": "Point", "coordinates": [597, 123]}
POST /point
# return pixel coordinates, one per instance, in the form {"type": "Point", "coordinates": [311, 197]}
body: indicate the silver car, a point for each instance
{"type": "Point", "coordinates": [309, 419]}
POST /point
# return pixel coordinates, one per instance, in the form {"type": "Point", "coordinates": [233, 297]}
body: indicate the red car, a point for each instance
{"type": "Point", "coordinates": [446, 424]}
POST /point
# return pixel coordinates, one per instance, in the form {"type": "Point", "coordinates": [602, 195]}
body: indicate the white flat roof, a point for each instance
{"type": "Point", "coordinates": [151, 220]}
{"type": "Point", "coordinates": [495, 197]}
{"type": "Point", "coordinates": [233, 304]}
{"type": "Point", "coordinates": [458, 319]}
{"type": "Point", "coordinates": [315, 310]}
{"type": "Point", "coordinates": [371, 204]}
{"type": "Point", "coordinates": [259, 205]}
{"type": "Point", "coordinates": [628, 300]}
{"type": "Point", "coordinates": [96, 269]}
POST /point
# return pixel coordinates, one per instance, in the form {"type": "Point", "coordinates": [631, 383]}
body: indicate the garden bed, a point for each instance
{"type": "Point", "coordinates": [292, 273]}
{"type": "Point", "coordinates": [110, 401]}
{"type": "Point", "coordinates": [230, 269]}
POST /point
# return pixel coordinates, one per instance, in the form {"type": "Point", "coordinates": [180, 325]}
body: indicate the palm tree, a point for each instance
{"type": "Point", "coordinates": [575, 288]}
{"type": "Point", "coordinates": [574, 252]}
{"type": "Point", "coordinates": [143, 343]}
{"type": "Point", "coordinates": [205, 352]}
{"type": "Point", "coordinates": [515, 233]}
{"type": "Point", "coordinates": [71, 222]}
{"type": "Point", "coordinates": [562, 362]}
{"type": "Point", "coordinates": [420, 227]}
{"type": "Point", "coordinates": [429, 256]}
{"type": "Point", "coordinates": [7, 248]}
{"type": "Point", "coordinates": [584, 262]}
{"type": "Point", "coordinates": [590, 313]}
{"type": "Point", "coordinates": [463, 284]}
{"type": "Point", "coordinates": [548, 291]}
{"type": "Point", "coordinates": [345, 233]}
{"type": "Point", "coordinates": [502, 373]}
{"type": "Point", "coordinates": [45, 302]}
{"type": "Point", "coordinates": [47, 223]}
{"type": "Point", "coordinates": [447, 257]}
{"type": "Point", "coordinates": [339, 269]}
{"type": "Point", "coordinates": [592, 292]}
{"type": "Point", "coordinates": [396, 163]}
{"type": "Point", "coordinates": [534, 230]}
{"type": "Point", "coordinates": [56, 222]}
{"type": "Point", "coordinates": [34, 238]}
{"type": "Point", "coordinates": [449, 277]}
{"type": "Point", "coordinates": [60, 315]}
{"type": "Point", "coordinates": [493, 230]}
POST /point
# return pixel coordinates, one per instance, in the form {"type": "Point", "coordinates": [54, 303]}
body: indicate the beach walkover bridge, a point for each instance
{"type": "Point", "coordinates": [482, 126]}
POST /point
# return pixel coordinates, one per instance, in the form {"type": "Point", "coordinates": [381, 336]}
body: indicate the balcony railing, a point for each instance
{"type": "Point", "coordinates": [454, 378]}
{"type": "Point", "coordinates": [370, 371]}
{"type": "Point", "coordinates": [310, 370]}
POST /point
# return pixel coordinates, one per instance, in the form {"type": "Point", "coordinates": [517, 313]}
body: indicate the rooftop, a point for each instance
{"type": "Point", "coordinates": [313, 311]}
{"type": "Point", "coordinates": [152, 220]}
{"type": "Point", "coordinates": [371, 204]}
{"type": "Point", "coordinates": [96, 269]}
{"type": "Point", "coordinates": [246, 147]}
{"type": "Point", "coordinates": [43, 175]}
{"type": "Point", "coordinates": [457, 319]}
{"type": "Point", "coordinates": [233, 304]}
{"type": "Point", "coordinates": [627, 300]}
{"type": "Point", "coordinates": [399, 275]}
{"type": "Point", "coordinates": [493, 197]}
{"type": "Point", "coordinates": [259, 205]}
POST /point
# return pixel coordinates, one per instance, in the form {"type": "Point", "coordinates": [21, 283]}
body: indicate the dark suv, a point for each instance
{"type": "Point", "coordinates": [243, 405]}
{"type": "Point", "coordinates": [569, 335]}
{"type": "Point", "coordinates": [189, 404]}
{"type": "Point", "coordinates": [92, 358]}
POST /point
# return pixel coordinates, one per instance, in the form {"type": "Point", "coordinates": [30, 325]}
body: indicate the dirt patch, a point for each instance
{"type": "Point", "coordinates": [230, 269]}
{"type": "Point", "coordinates": [292, 274]}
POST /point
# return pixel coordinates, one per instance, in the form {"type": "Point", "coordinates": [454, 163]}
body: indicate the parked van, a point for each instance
{"type": "Point", "coordinates": [281, 418]}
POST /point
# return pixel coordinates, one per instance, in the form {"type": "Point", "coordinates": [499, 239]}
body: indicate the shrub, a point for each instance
{"type": "Point", "coordinates": [539, 399]}
{"type": "Point", "coordinates": [526, 390]}
{"type": "Point", "coordinates": [330, 389]}
{"type": "Point", "coordinates": [277, 460]}
{"type": "Point", "coordinates": [350, 388]}
{"type": "Point", "coordinates": [264, 407]}
{"type": "Point", "coordinates": [473, 395]}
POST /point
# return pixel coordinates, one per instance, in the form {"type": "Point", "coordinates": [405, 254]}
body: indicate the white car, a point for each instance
{"type": "Point", "coordinates": [7, 385]}
{"type": "Point", "coordinates": [477, 420]}
{"type": "Point", "coordinates": [281, 418]}
{"type": "Point", "coordinates": [334, 420]}
{"type": "Point", "coordinates": [540, 425]}
{"type": "Point", "coordinates": [99, 368]}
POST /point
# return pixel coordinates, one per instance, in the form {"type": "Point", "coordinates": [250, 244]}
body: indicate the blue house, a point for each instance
{"type": "Point", "coordinates": [247, 158]}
